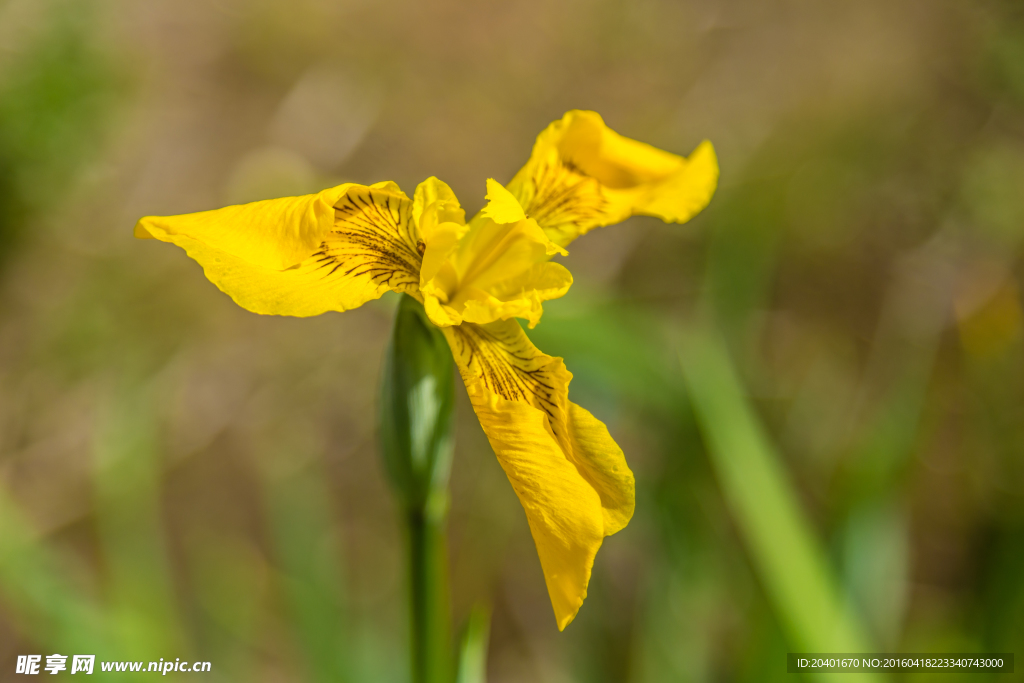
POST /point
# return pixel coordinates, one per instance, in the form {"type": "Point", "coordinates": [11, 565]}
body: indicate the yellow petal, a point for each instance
{"type": "Point", "coordinates": [502, 206]}
{"type": "Point", "coordinates": [434, 202]}
{"type": "Point", "coordinates": [570, 476]}
{"type": "Point", "coordinates": [497, 271]}
{"type": "Point", "coordinates": [274, 233]}
{"type": "Point", "coordinates": [521, 296]}
{"type": "Point", "coordinates": [369, 247]}
{"type": "Point", "coordinates": [440, 240]}
{"type": "Point", "coordinates": [684, 193]}
{"type": "Point", "coordinates": [604, 467]}
{"type": "Point", "coordinates": [437, 275]}
{"type": "Point", "coordinates": [583, 175]}
{"type": "Point", "coordinates": [441, 222]}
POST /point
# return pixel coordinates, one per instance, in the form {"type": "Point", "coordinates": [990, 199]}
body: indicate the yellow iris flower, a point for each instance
{"type": "Point", "coordinates": [339, 248]}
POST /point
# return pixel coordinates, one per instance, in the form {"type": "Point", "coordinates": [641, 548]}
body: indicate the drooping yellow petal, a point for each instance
{"type": "Point", "coordinates": [583, 175]}
{"type": "Point", "coordinates": [569, 474]}
{"type": "Point", "coordinates": [368, 247]}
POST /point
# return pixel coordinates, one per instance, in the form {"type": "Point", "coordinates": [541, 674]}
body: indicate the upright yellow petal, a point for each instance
{"type": "Point", "coordinates": [362, 245]}
{"type": "Point", "coordinates": [583, 175]}
{"type": "Point", "coordinates": [496, 271]}
{"type": "Point", "coordinates": [435, 203]}
{"type": "Point", "coordinates": [502, 206]}
{"type": "Point", "coordinates": [570, 476]}
{"type": "Point", "coordinates": [496, 268]}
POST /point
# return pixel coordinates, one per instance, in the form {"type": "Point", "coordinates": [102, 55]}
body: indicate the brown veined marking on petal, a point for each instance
{"type": "Point", "coordinates": [563, 195]}
{"type": "Point", "coordinates": [500, 362]}
{"type": "Point", "coordinates": [373, 235]}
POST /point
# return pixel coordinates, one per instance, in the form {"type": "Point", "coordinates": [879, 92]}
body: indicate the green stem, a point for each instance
{"type": "Point", "coordinates": [417, 404]}
{"type": "Point", "coordinates": [428, 591]}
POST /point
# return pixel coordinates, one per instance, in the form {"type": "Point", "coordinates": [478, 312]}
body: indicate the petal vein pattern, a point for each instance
{"type": "Point", "coordinates": [506, 362]}
{"type": "Point", "coordinates": [564, 201]}
{"type": "Point", "coordinates": [374, 238]}
{"type": "Point", "coordinates": [569, 474]}
{"type": "Point", "coordinates": [583, 175]}
{"type": "Point", "coordinates": [368, 248]}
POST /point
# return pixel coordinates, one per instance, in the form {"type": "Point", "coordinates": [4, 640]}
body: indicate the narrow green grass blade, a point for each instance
{"type": "Point", "coordinates": [473, 653]}
{"type": "Point", "coordinates": [791, 564]}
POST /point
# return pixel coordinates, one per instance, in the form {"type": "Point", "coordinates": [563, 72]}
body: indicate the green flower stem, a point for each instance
{"type": "Point", "coordinates": [429, 596]}
{"type": "Point", "coordinates": [417, 404]}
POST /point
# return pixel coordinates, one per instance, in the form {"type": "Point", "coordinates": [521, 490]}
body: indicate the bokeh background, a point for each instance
{"type": "Point", "coordinates": [181, 478]}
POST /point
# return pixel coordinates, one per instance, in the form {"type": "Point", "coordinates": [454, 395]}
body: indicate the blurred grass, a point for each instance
{"type": "Point", "coordinates": [139, 590]}
{"type": "Point", "coordinates": [472, 667]}
{"type": "Point", "coordinates": [312, 573]}
{"type": "Point", "coordinates": [791, 563]}
{"type": "Point", "coordinates": [54, 106]}
{"type": "Point", "coordinates": [51, 609]}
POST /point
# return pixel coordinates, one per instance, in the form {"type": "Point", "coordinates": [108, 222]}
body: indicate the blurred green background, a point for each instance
{"type": "Point", "coordinates": [819, 382]}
